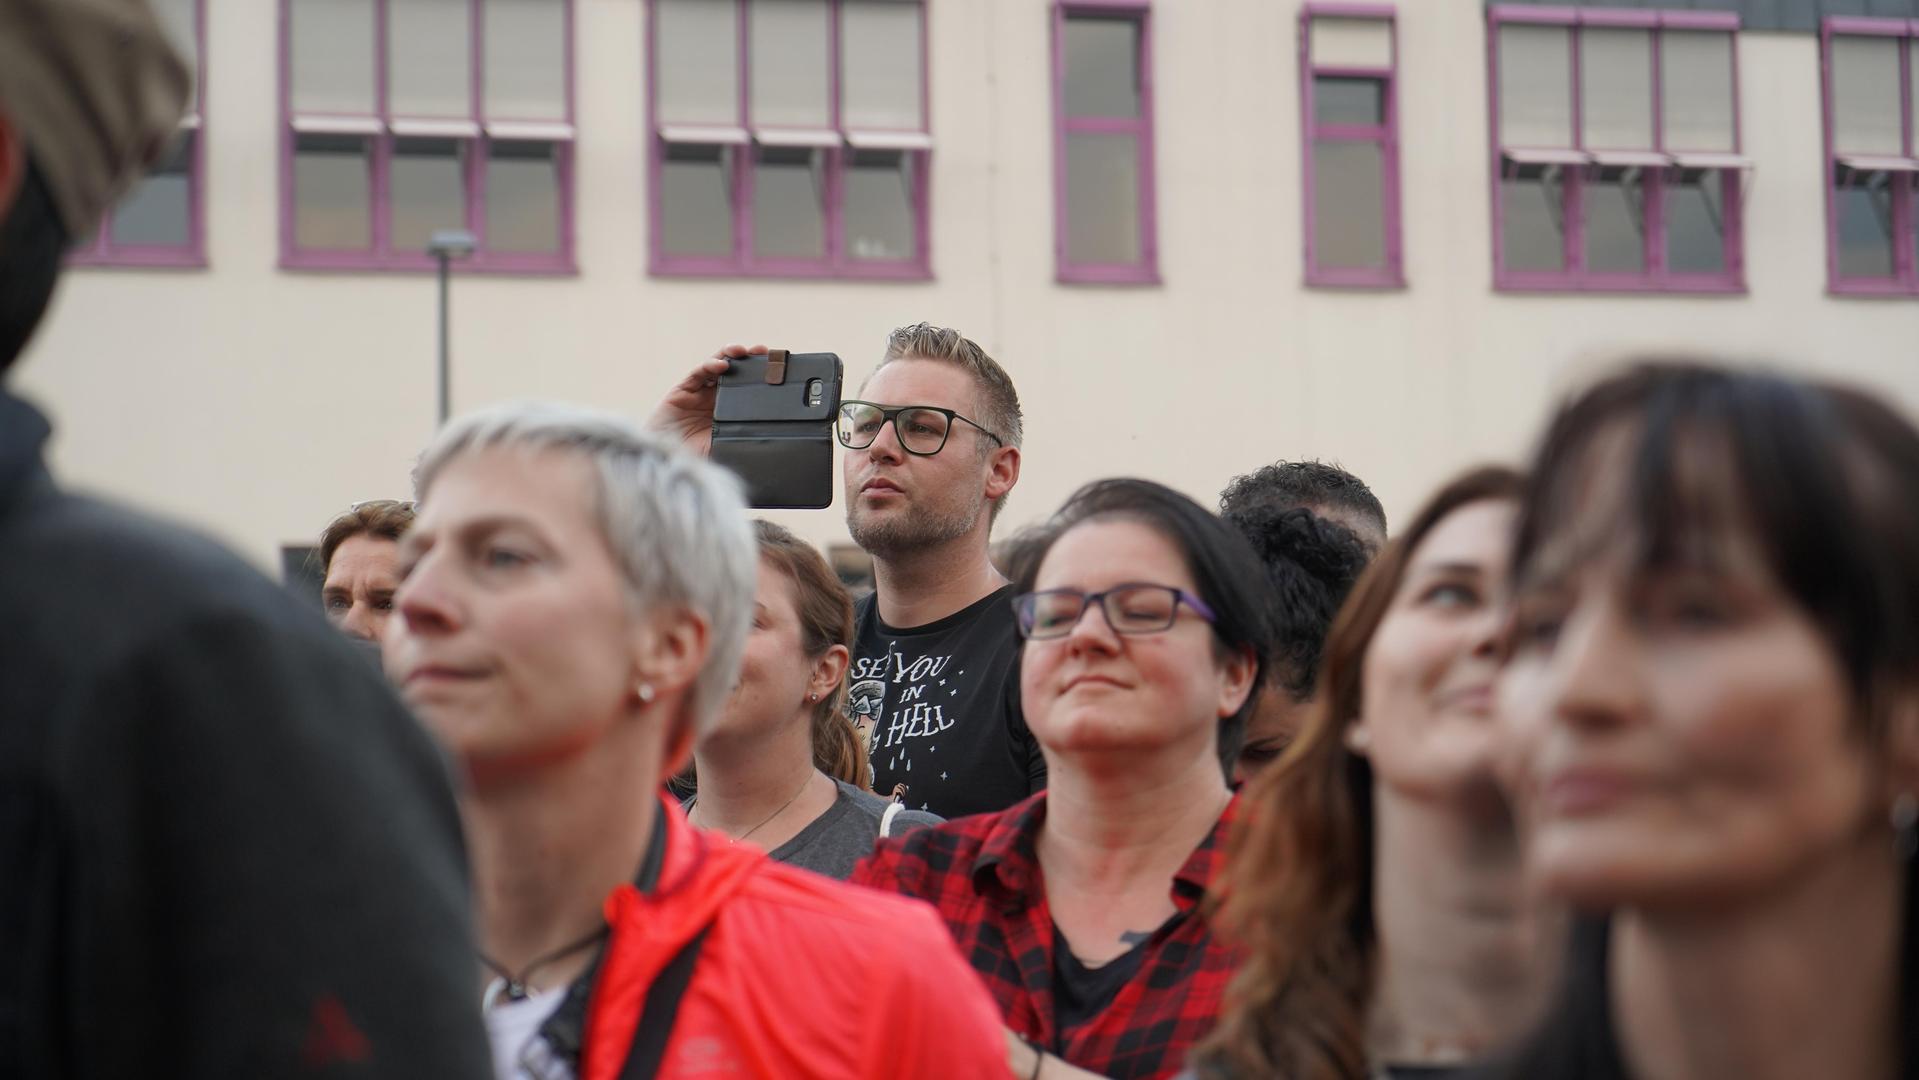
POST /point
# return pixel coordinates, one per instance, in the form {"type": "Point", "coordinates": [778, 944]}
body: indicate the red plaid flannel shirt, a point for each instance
{"type": "Point", "coordinates": [983, 876]}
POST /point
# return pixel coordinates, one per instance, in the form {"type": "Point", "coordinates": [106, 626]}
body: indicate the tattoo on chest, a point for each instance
{"type": "Point", "coordinates": [1131, 938]}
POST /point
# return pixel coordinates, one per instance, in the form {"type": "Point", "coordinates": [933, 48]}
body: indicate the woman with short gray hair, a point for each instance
{"type": "Point", "coordinates": [576, 597]}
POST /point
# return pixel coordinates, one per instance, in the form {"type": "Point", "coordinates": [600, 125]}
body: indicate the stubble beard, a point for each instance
{"type": "Point", "coordinates": [908, 529]}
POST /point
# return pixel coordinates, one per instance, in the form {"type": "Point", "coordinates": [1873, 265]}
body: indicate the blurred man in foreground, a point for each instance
{"type": "Point", "coordinates": [225, 848]}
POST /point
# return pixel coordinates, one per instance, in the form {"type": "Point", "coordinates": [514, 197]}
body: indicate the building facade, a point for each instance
{"type": "Point", "coordinates": [1201, 234]}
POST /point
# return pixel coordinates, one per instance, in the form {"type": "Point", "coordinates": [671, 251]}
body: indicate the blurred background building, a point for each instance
{"type": "Point", "coordinates": [1201, 234]}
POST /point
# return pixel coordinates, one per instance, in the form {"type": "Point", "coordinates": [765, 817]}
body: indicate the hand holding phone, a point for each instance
{"type": "Point", "coordinates": [686, 412]}
{"type": "Point", "coordinates": [772, 423]}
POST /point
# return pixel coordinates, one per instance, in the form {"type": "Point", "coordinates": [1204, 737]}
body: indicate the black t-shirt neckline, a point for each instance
{"type": "Point", "coordinates": [945, 623]}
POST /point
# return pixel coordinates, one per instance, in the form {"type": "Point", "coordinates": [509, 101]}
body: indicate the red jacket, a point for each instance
{"type": "Point", "coordinates": [800, 976]}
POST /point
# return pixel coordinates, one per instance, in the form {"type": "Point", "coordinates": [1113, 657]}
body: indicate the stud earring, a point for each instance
{"type": "Point", "coordinates": [645, 692]}
{"type": "Point", "coordinates": [1358, 740]}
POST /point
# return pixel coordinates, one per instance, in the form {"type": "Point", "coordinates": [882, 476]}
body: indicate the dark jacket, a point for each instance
{"type": "Point", "coordinates": [225, 848]}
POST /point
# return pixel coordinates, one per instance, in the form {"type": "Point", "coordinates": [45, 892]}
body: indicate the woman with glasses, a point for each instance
{"type": "Point", "coordinates": [1712, 710]}
{"type": "Point", "coordinates": [1376, 882]}
{"type": "Point", "coordinates": [1146, 629]}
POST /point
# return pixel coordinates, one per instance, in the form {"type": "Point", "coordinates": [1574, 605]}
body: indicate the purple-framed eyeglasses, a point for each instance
{"type": "Point", "coordinates": [1133, 608]}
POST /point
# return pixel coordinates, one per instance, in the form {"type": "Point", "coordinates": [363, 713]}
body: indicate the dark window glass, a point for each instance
{"type": "Point", "coordinates": [1102, 198]}
{"type": "Point", "coordinates": [1533, 232]}
{"type": "Point", "coordinates": [789, 221]}
{"type": "Point", "coordinates": [1865, 231]}
{"type": "Point", "coordinates": [1349, 205]}
{"type": "Point", "coordinates": [1102, 67]}
{"type": "Point", "coordinates": [1695, 224]}
{"type": "Point", "coordinates": [1341, 100]}
{"type": "Point", "coordinates": [523, 197]}
{"type": "Point", "coordinates": [427, 187]}
{"type": "Point", "coordinates": [1615, 227]}
{"type": "Point", "coordinates": [696, 207]}
{"type": "Point", "coordinates": [332, 193]}
{"type": "Point", "coordinates": [879, 205]}
{"type": "Point", "coordinates": [159, 212]}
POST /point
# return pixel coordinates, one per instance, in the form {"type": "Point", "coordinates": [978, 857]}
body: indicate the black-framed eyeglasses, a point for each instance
{"type": "Point", "coordinates": [1129, 609]}
{"type": "Point", "coordinates": [921, 429]}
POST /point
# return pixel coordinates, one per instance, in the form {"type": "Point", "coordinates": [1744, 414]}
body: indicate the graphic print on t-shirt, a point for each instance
{"type": "Point", "coordinates": [905, 699]}
{"type": "Point", "coordinates": [939, 706]}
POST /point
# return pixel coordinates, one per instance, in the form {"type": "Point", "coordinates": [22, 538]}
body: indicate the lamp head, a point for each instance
{"type": "Point", "coordinates": [451, 243]}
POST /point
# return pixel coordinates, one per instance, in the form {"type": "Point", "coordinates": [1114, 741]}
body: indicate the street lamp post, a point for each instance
{"type": "Point", "coordinates": [447, 245]}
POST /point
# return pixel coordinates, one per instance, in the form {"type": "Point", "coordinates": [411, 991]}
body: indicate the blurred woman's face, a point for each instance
{"type": "Point", "coordinates": [1094, 691]}
{"type": "Point", "coordinates": [1426, 682]}
{"type": "Point", "coordinates": [360, 583]}
{"type": "Point", "coordinates": [515, 643]}
{"type": "Point", "coordinates": [1677, 736]}
{"type": "Point", "coordinates": [776, 674]}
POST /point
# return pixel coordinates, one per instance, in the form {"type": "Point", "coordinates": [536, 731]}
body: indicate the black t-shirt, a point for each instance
{"type": "Point", "coordinates": [1081, 993]}
{"type": "Point", "coordinates": [943, 701]}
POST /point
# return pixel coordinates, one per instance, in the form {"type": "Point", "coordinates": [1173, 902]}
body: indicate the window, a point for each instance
{"type": "Point", "coordinates": [404, 117]}
{"type": "Point", "coordinates": [1871, 74]}
{"type": "Point", "coordinates": [1103, 210]}
{"type": "Point", "coordinates": [159, 222]}
{"type": "Point", "coordinates": [1350, 145]}
{"type": "Point", "coordinates": [1617, 161]}
{"type": "Point", "coordinates": [790, 138]}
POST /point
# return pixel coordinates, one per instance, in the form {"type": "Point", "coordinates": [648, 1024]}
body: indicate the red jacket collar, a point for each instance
{"type": "Point", "coordinates": [697, 878]}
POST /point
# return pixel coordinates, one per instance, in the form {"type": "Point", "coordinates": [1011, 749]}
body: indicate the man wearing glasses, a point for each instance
{"type": "Point", "coordinates": [932, 445]}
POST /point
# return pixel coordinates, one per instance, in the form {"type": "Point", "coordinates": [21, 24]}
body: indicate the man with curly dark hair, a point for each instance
{"type": "Point", "coordinates": [1315, 527]}
{"type": "Point", "coordinates": [1329, 491]}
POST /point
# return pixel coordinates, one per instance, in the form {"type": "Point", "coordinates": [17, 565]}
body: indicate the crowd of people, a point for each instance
{"type": "Point", "coordinates": [1605, 768]}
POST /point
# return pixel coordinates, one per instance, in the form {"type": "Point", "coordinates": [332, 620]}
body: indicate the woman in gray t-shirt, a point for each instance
{"type": "Point", "coordinates": [784, 768]}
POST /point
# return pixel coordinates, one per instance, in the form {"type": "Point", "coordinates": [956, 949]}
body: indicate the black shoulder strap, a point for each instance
{"type": "Point", "coordinates": [662, 1007]}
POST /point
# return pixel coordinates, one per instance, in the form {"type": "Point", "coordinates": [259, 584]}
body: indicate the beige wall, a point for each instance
{"type": "Point", "coordinates": [257, 402]}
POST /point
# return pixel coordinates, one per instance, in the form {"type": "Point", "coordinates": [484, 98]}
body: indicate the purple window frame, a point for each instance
{"type": "Point", "coordinates": [1385, 135]}
{"type": "Point", "coordinates": [192, 255]}
{"type": "Point", "coordinates": [377, 257]}
{"type": "Point", "coordinates": [1903, 187]}
{"type": "Point", "coordinates": [1146, 270]}
{"type": "Point", "coordinates": [1574, 277]}
{"type": "Point", "coordinates": [835, 263]}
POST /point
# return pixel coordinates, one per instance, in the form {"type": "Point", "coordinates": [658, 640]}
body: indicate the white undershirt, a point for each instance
{"type": "Point", "coordinates": [511, 1025]}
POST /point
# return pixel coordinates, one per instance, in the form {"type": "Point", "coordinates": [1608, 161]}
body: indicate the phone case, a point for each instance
{"type": "Point", "coordinates": [773, 426]}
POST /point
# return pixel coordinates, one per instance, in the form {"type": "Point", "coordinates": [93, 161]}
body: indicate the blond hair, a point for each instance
{"type": "Point", "coordinates": [998, 407]}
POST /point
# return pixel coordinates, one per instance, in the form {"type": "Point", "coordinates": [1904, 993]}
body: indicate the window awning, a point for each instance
{"type": "Point", "coordinates": [1631, 159]}
{"type": "Point", "coordinates": [530, 130]}
{"type": "Point", "coordinates": [338, 125]}
{"type": "Point", "coordinates": [435, 129]}
{"type": "Point", "coordinates": [1700, 159]}
{"type": "Point", "coordinates": [705, 133]}
{"type": "Point", "coordinates": [889, 140]}
{"type": "Point", "coordinates": [1878, 163]}
{"type": "Point", "coordinates": [1545, 156]}
{"type": "Point", "coordinates": [814, 137]}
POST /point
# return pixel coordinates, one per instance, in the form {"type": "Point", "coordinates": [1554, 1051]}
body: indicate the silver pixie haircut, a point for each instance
{"type": "Point", "coordinates": [676, 523]}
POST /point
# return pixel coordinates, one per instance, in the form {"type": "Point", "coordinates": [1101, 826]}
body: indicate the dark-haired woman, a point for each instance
{"type": "Point", "coordinates": [1713, 709]}
{"type": "Point", "coordinates": [1147, 631]}
{"type": "Point", "coordinates": [1376, 879]}
{"type": "Point", "coordinates": [784, 768]}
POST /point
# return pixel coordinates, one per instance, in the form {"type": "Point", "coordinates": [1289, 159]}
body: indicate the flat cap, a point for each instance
{"type": "Point", "coordinates": [96, 93]}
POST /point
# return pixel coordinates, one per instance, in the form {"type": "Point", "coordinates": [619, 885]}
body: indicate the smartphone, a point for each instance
{"type": "Point", "coordinates": [773, 425]}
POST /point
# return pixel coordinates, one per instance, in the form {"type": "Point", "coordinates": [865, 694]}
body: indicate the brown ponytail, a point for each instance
{"type": "Point", "coordinates": [826, 619]}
